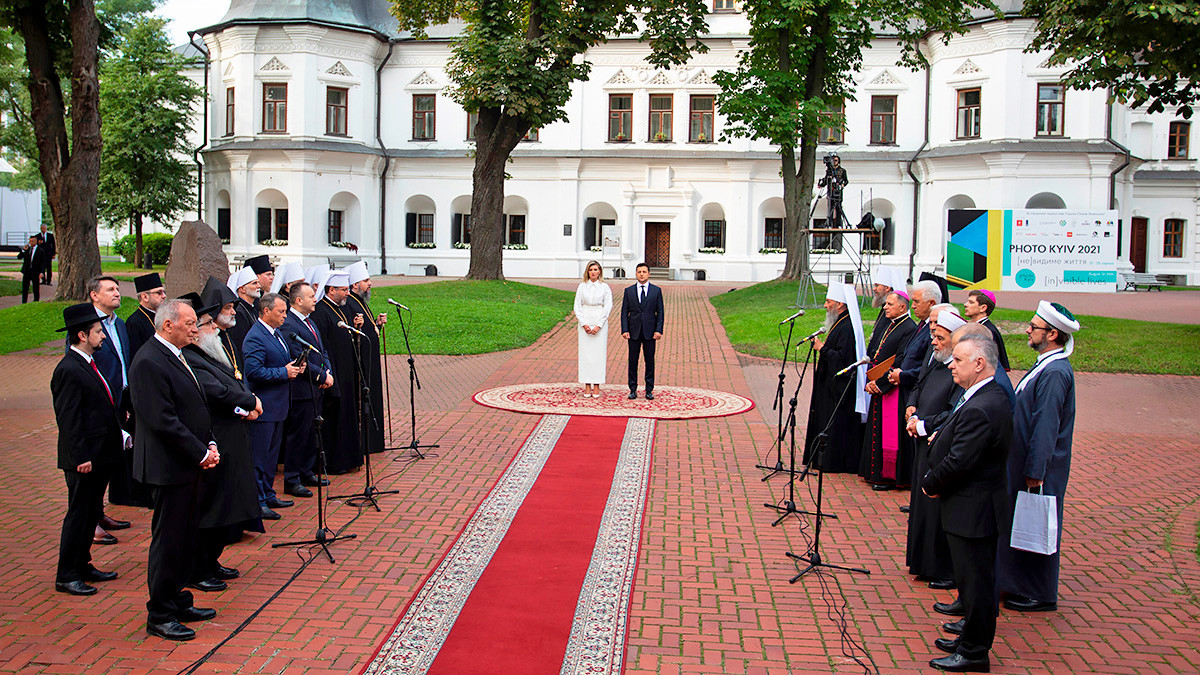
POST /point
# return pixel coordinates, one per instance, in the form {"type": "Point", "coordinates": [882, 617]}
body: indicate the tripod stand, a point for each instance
{"type": "Point", "coordinates": [324, 536]}
{"type": "Point", "coordinates": [365, 412]}
{"type": "Point", "coordinates": [778, 405]}
{"type": "Point", "coordinates": [414, 383]}
{"type": "Point", "coordinates": [813, 557]}
{"type": "Point", "coordinates": [789, 504]}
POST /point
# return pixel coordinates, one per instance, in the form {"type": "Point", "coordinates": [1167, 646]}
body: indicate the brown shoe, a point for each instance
{"type": "Point", "coordinates": [112, 523]}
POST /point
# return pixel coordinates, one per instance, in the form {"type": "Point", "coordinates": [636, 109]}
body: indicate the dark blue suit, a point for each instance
{"type": "Point", "coordinates": [299, 440]}
{"type": "Point", "coordinates": [642, 318]}
{"type": "Point", "coordinates": [266, 358]}
{"type": "Point", "coordinates": [914, 356]}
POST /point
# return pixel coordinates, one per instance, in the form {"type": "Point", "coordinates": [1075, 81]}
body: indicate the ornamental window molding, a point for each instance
{"type": "Point", "coordinates": [274, 65]}
{"type": "Point", "coordinates": [424, 83]}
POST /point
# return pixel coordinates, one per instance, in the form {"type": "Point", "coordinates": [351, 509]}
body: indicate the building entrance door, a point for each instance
{"type": "Point", "coordinates": [658, 244]}
{"type": "Point", "coordinates": [1137, 244]}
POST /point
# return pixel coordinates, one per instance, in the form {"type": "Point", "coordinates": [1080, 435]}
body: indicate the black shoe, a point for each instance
{"type": "Point", "coordinates": [955, 663]}
{"type": "Point", "coordinates": [108, 523]}
{"type": "Point", "coordinates": [904, 509]}
{"type": "Point", "coordinates": [1022, 604]}
{"type": "Point", "coordinates": [105, 539]}
{"type": "Point", "coordinates": [268, 514]}
{"type": "Point", "coordinates": [277, 503]}
{"type": "Point", "coordinates": [94, 575]}
{"type": "Point", "coordinates": [170, 630]}
{"type": "Point", "coordinates": [195, 614]}
{"type": "Point", "coordinates": [950, 609]}
{"type": "Point", "coordinates": [632, 395]}
{"type": "Point", "coordinates": [649, 396]}
{"type": "Point", "coordinates": [943, 584]}
{"type": "Point", "coordinates": [954, 627]}
{"type": "Point", "coordinates": [208, 585]}
{"type": "Point", "coordinates": [947, 645]}
{"type": "Point", "coordinates": [226, 573]}
{"type": "Point", "coordinates": [883, 487]}
{"type": "Point", "coordinates": [297, 490]}
{"type": "Point", "coordinates": [311, 481]}
{"type": "Point", "coordinates": [74, 587]}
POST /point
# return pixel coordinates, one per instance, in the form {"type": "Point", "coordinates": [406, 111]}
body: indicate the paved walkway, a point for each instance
{"type": "Point", "coordinates": [711, 594]}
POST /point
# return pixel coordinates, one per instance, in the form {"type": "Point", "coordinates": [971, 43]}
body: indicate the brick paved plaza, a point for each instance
{"type": "Point", "coordinates": [712, 592]}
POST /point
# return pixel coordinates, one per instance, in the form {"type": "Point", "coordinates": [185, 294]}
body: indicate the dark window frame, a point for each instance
{"type": "Point", "coordinates": [336, 225]}
{"type": "Point", "coordinates": [1179, 136]}
{"type": "Point", "coordinates": [698, 116]}
{"type": "Point", "coordinates": [425, 227]}
{"type": "Point", "coordinates": [337, 112]}
{"type": "Point", "coordinates": [515, 231]}
{"type": "Point", "coordinates": [880, 127]}
{"type": "Point", "coordinates": [424, 121]}
{"type": "Point", "coordinates": [1173, 230]}
{"type": "Point", "coordinates": [713, 233]}
{"type": "Point", "coordinates": [773, 239]}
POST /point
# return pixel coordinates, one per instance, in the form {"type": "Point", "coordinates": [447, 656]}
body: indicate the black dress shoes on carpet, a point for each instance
{"type": "Point", "coordinates": [195, 614]}
{"type": "Point", "coordinates": [268, 514]}
{"type": "Point", "coordinates": [226, 573]}
{"type": "Point", "coordinates": [950, 609]}
{"type": "Point", "coordinates": [95, 575]}
{"type": "Point", "coordinates": [632, 395]}
{"type": "Point", "coordinates": [954, 627]}
{"type": "Point", "coordinates": [649, 396]}
{"type": "Point", "coordinates": [208, 585]}
{"type": "Point", "coordinates": [170, 630]}
{"type": "Point", "coordinates": [113, 524]}
{"type": "Point", "coordinates": [74, 587]}
{"type": "Point", "coordinates": [311, 481]}
{"type": "Point", "coordinates": [955, 663]}
{"type": "Point", "coordinates": [943, 584]}
{"type": "Point", "coordinates": [1021, 603]}
{"type": "Point", "coordinates": [277, 503]}
{"type": "Point", "coordinates": [297, 490]}
{"type": "Point", "coordinates": [948, 645]}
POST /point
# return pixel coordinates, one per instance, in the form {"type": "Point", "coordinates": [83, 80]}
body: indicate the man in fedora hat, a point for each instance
{"type": "Point", "coordinates": [90, 441]}
{"type": "Point", "coordinates": [140, 324]}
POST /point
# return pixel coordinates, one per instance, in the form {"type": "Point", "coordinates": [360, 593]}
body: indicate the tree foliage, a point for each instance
{"type": "Point", "coordinates": [514, 63]}
{"type": "Point", "coordinates": [1148, 51]}
{"type": "Point", "coordinates": [146, 103]}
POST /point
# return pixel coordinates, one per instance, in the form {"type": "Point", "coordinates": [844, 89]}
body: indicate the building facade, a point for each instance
{"type": "Point", "coordinates": [326, 126]}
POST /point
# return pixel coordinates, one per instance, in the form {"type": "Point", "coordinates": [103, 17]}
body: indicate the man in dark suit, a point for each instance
{"type": "Point", "coordinates": [34, 260]}
{"type": "Point", "coordinates": [90, 440]}
{"type": "Point", "coordinates": [173, 444]}
{"type": "Point", "coordinates": [642, 325]}
{"type": "Point", "coordinates": [269, 368]}
{"type": "Point", "coordinates": [299, 441]}
{"type": "Point", "coordinates": [968, 458]}
{"type": "Point", "coordinates": [51, 244]}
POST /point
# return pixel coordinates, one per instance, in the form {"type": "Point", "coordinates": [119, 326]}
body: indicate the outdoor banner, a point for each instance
{"type": "Point", "coordinates": [1032, 250]}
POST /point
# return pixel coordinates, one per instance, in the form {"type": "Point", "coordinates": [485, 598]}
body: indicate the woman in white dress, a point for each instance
{"type": "Point", "coordinates": [593, 303]}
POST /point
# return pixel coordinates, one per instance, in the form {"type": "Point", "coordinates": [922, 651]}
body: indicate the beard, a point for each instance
{"type": "Point", "coordinates": [365, 295]}
{"type": "Point", "coordinates": [226, 322]}
{"type": "Point", "coordinates": [342, 302]}
{"type": "Point", "coordinates": [831, 317]}
{"type": "Point", "coordinates": [1037, 345]}
{"type": "Point", "coordinates": [878, 299]}
{"type": "Point", "coordinates": [943, 355]}
{"type": "Point", "coordinates": [210, 344]}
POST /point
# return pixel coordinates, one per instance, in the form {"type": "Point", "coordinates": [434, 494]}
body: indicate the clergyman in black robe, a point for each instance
{"type": "Point", "coordinates": [885, 419]}
{"type": "Point", "coordinates": [140, 323]}
{"type": "Point", "coordinates": [358, 309]}
{"type": "Point", "coordinates": [340, 432]}
{"type": "Point", "coordinates": [833, 397]}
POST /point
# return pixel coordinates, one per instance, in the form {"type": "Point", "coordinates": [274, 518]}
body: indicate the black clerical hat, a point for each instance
{"type": "Point", "coordinates": [79, 317]}
{"type": "Point", "coordinates": [147, 282]}
{"type": "Point", "coordinates": [261, 264]}
{"type": "Point", "coordinates": [217, 293]}
{"type": "Point", "coordinates": [198, 305]}
{"type": "Point", "coordinates": [940, 281]}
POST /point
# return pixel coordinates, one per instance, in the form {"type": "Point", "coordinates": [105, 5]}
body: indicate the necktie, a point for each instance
{"type": "Point", "coordinates": [189, 370]}
{"type": "Point", "coordinates": [961, 400]}
{"type": "Point", "coordinates": [641, 293]}
{"type": "Point", "coordinates": [103, 381]}
{"type": "Point", "coordinates": [314, 332]}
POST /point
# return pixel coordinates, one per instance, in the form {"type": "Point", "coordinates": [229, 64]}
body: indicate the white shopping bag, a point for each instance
{"type": "Point", "coordinates": [1035, 523]}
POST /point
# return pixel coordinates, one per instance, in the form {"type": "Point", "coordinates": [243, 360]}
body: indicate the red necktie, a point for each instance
{"type": "Point", "coordinates": [314, 332]}
{"type": "Point", "coordinates": [103, 381]}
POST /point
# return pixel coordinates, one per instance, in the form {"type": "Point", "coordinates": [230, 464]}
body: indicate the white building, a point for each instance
{"type": "Point", "coordinates": [325, 124]}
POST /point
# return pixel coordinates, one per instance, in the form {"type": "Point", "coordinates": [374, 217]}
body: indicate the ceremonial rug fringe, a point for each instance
{"type": "Point", "coordinates": [565, 398]}
{"type": "Point", "coordinates": [539, 580]}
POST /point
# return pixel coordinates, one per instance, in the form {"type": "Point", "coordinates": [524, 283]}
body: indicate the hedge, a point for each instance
{"type": "Point", "coordinates": [156, 244]}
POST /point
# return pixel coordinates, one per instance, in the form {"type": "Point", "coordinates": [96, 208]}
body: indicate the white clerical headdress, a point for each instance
{"type": "Point", "coordinates": [358, 272]}
{"type": "Point", "coordinates": [286, 274]}
{"type": "Point", "coordinates": [950, 320]}
{"type": "Point", "coordinates": [847, 292]}
{"type": "Point", "coordinates": [317, 278]}
{"type": "Point", "coordinates": [241, 278]}
{"type": "Point", "coordinates": [1061, 318]}
{"type": "Point", "coordinates": [890, 277]}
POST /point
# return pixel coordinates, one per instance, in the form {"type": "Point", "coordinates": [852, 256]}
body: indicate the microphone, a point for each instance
{"type": "Point", "coordinates": [793, 317]}
{"type": "Point", "coordinates": [817, 332]}
{"type": "Point", "coordinates": [393, 302]}
{"type": "Point", "coordinates": [863, 361]}
{"type": "Point", "coordinates": [300, 341]}
{"type": "Point", "coordinates": [352, 329]}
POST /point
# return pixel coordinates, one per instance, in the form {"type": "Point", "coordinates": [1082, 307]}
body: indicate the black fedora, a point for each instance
{"type": "Point", "coordinates": [147, 282]}
{"type": "Point", "coordinates": [198, 304]}
{"type": "Point", "coordinates": [79, 317]}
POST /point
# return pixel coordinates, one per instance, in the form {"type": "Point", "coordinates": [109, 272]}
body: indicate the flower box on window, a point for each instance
{"type": "Point", "coordinates": [422, 244]}
{"type": "Point", "coordinates": [772, 249]}
{"type": "Point", "coordinates": [461, 245]}
{"type": "Point", "coordinates": [712, 249]}
{"type": "Point", "coordinates": [596, 249]}
{"type": "Point", "coordinates": [516, 247]}
{"type": "Point", "coordinates": [344, 244]}
{"type": "Point", "coordinates": [273, 242]}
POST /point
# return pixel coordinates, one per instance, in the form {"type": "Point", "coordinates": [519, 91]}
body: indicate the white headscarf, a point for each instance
{"type": "Point", "coordinates": [845, 294]}
{"type": "Point", "coordinates": [241, 278]}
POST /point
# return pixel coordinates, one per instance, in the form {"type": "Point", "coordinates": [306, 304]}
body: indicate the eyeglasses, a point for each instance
{"type": "Point", "coordinates": [1034, 326]}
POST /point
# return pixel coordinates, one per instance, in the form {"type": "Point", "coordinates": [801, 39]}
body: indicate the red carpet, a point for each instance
{"type": "Point", "coordinates": [539, 580]}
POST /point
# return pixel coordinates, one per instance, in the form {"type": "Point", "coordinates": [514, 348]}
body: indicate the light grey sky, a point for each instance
{"type": "Point", "coordinates": [185, 15]}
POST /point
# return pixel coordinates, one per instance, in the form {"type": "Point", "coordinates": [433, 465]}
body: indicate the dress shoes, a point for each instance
{"type": "Point", "coordinates": [297, 490]}
{"type": "Point", "coordinates": [649, 396]}
{"type": "Point", "coordinates": [268, 514]}
{"type": "Point", "coordinates": [277, 503]}
{"type": "Point", "coordinates": [904, 509]}
{"type": "Point", "coordinates": [943, 584]}
{"type": "Point", "coordinates": [226, 573]}
{"type": "Point", "coordinates": [113, 524]}
{"type": "Point", "coordinates": [76, 587]}
{"type": "Point", "coordinates": [1021, 603]}
{"type": "Point", "coordinates": [208, 585]}
{"type": "Point", "coordinates": [948, 645]}
{"type": "Point", "coordinates": [632, 395]}
{"type": "Point", "coordinates": [956, 663]}
{"type": "Point", "coordinates": [312, 481]}
{"type": "Point", "coordinates": [106, 539]}
{"type": "Point", "coordinates": [950, 609]}
{"type": "Point", "coordinates": [195, 614]}
{"type": "Point", "coordinates": [170, 630]}
{"type": "Point", "coordinates": [95, 575]}
{"type": "Point", "coordinates": [954, 627]}
{"type": "Point", "coordinates": [883, 487]}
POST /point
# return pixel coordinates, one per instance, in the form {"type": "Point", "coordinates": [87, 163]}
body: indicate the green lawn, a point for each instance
{"type": "Point", "coordinates": [10, 287]}
{"type": "Point", "coordinates": [1104, 345]}
{"type": "Point", "coordinates": [471, 317]}
{"type": "Point", "coordinates": [33, 324]}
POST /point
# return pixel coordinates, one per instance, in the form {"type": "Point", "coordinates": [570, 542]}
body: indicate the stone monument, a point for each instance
{"type": "Point", "coordinates": [196, 254]}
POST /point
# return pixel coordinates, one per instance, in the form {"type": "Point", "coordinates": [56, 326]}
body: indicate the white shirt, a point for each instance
{"type": "Point", "coordinates": [974, 388]}
{"type": "Point", "coordinates": [293, 310]}
{"type": "Point", "coordinates": [174, 350]}
{"type": "Point", "coordinates": [86, 357]}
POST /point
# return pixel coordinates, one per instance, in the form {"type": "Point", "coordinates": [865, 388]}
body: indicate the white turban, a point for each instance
{"type": "Point", "coordinates": [950, 320]}
{"type": "Point", "coordinates": [1062, 319]}
{"type": "Point", "coordinates": [241, 278]}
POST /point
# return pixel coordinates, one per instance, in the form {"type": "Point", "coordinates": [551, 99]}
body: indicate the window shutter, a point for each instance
{"type": "Point", "coordinates": [456, 228]}
{"type": "Point", "coordinates": [589, 233]}
{"type": "Point", "coordinates": [410, 230]}
{"type": "Point", "coordinates": [264, 224]}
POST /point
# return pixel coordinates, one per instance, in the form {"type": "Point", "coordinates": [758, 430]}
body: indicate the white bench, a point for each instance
{"type": "Point", "coordinates": [1135, 279]}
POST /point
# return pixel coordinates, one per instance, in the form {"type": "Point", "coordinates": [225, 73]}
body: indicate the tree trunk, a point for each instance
{"type": "Point", "coordinates": [71, 170]}
{"type": "Point", "coordinates": [798, 184]}
{"type": "Point", "coordinates": [495, 137]}
{"type": "Point", "coordinates": [137, 241]}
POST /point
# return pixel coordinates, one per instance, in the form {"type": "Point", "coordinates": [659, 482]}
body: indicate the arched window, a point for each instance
{"type": "Point", "coordinates": [419, 213]}
{"type": "Point", "coordinates": [595, 218]}
{"type": "Point", "coordinates": [1045, 200]}
{"type": "Point", "coordinates": [712, 227]}
{"type": "Point", "coordinates": [272, 208]}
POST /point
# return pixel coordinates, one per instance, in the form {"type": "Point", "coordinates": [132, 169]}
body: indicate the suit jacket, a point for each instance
{"type": "Point", "coordinates": [265, 359]}
{"type": "Point", "coordinates": [246, 317]}
{"type": "Point", "coordinates": [934, 394]}
{"type": "Point", "coordinates": [173, 423]}
{"type": "Point", "coordinates": [107, 360]}
{"type": "Point", "coordinates": [999, 340]}
{"type": "Point", "coordinates": [642, 319]}
{"type": "Point", "coordinates": [319, 366]}
{"type": "Point", "coordinates": [34, 260]}
{"type": "Point", "coordinates": [50, 241]}
{"type": "Point", "coordinates": [915, 355]}
{"type": "Point", "coordinates": [968, 460]}
{"type": "Point", "coordinates": [88, 427]}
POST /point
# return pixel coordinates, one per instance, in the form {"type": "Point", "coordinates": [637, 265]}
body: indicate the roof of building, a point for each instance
{"type": "Point", "coordinates": [371, 15]}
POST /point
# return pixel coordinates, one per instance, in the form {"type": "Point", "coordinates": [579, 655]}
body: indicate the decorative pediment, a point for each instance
{"type": "Point", "coordinates": [274, 64]}
{"type": "Point", "coordinates": [1046, 65]}
{"type": "Point", "coordinates": [968, 67]}
{"type": "Point", "coordinates": [885, 78]}
{"type": "Point", "coordinates": [423, 80]}
{"type": "Point", "coordinates": [620, 78]}
{"type": "Point", "coordinates": [228, 69]}
{"type": "Point", "coordinates": [701, 77]}
{"type": "Point", "coordinates": [339, 68]}
{"type": "Point", "coordinates": [661, 77]}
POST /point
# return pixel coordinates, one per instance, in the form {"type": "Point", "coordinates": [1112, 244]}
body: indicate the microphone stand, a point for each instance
{"type": "Point", "coordinates": [813, 557]}
{"type": "Point", "coordinates": [367, 496]}
{"type": "Point", "coordinates": [414, 383]}
{"type": "Point", "coordinates": [324, 536]}
{"type": "Point", "coordinates": [789, 504]}
{"type": "Point", "coordinates": [778, 405]}
{"type": "Point", "coordinates": [387, 387]}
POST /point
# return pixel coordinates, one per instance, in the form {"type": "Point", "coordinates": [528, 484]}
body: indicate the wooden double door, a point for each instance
{"type": "Point", "coordinates": [658, 244]}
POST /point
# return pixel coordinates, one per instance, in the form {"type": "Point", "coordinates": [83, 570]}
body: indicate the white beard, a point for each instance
{"type": "Point", "coordinates": [831, 317]}
{"type": "Point", "coordinates": [943, 356]}
{"type": "Point", "coordinates": [878, 300]}
{"type": "Point", "coordinates": [210, 344]}
{"type": "Point", "coordinates": [226, 322]}
{"type": "Point", "coordinates": [366, 296]}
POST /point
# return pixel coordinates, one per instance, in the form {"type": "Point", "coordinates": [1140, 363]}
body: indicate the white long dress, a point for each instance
{"type": "Point", "coordinates": [593, 303]}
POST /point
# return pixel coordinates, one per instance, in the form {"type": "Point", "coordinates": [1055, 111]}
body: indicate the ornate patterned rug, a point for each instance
{"type": "Point", "coordinates": [539, 580]}
{"type": "Point", "coordinates": [566, 398]}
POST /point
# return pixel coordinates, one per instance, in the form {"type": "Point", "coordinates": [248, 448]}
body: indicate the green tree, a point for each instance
{"type": "Point", "coordinates": [514, 64]}
{"type": "Point", "coordinates": [146, 103]}
{"type": "Point", "coordinates": [798, 67]}
{"type": "Point", "coordinates": [1145, 50]}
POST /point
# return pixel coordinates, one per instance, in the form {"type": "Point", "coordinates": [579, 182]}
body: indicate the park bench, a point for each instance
{"type": "Point", "coordinates": [1136, 279]}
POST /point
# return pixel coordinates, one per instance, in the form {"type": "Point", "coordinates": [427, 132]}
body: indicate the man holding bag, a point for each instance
{"type": "Point", "coordinates": [1040, 459]}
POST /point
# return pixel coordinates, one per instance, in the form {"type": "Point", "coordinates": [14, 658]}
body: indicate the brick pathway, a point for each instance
{"type": "Point", "coordinates": [712, 593]}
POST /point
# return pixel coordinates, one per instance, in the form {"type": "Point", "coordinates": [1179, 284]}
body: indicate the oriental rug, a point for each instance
{"type": "Point", "coordinates": [540, 578]}
{"type": "Point", "coordinates": [565, 398]}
